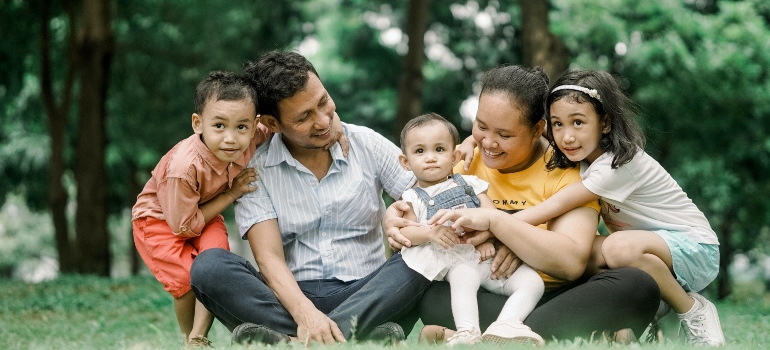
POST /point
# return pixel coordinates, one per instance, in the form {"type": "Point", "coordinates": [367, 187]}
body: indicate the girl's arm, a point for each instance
{"type": "Point", "coordinates": [568, 198]}
{"type": "Point", "coordinates": [466, 148]}
{"type": "Point", "coordinates": [441, 235]}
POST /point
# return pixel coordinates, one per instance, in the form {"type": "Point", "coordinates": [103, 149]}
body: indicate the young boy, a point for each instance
{"type": "Point", "coordinates": [177, 214]}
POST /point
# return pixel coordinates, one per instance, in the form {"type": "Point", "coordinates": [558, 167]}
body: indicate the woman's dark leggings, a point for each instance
{"type": "Point", "coordinates": [610, 301]}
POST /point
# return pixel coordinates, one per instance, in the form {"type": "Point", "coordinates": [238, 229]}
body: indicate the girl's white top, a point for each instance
{"type": "Point", "coordinates": [641, 195]}
{"type": "Point", "coordinates": [430, 259]}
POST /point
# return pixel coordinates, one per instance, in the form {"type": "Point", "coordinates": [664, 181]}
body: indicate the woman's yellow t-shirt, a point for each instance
{"type": "Point", "coordinates": [524, 189]}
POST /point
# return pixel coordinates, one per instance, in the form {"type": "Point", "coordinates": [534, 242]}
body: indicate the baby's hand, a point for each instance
{"type": "Point", "coordinates": [244, 182]}
{"type": "Point", "coordinates": [444, 236]}
{"type": "Point", "coordinates": [486, 249]}
{"type": "Point", "coordinates": [466, 151]}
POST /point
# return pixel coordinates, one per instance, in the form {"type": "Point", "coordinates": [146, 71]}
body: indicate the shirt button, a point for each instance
{"type": "Point", "coordinates": [328, 213]}
{"type": "Point", "coordinates": [323, 234]}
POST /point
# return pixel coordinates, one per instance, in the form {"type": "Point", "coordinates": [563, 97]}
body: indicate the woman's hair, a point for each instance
{"type": "Point", "coordinates": [527, 88]}
{"type": "Point", "coordinates": [277, 76]}
{"type": "Point", "coordinates": [425, 119]}
{"type": "Point", "coordinates": [625, 137]}
{"type": "Point", "coordinates": [226, 86]}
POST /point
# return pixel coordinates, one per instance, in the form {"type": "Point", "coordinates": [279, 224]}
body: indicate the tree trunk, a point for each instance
{"type": "Point", "coordinates": [134, 188]}
{"type": "Point", "coordinates": [412, 81]}
{"type": "Point", "coordinates": [538, 45]}
{"type": "Point", "coordinates": [96, 47]}
{"type": "Point", "coordinates": [57, 120]}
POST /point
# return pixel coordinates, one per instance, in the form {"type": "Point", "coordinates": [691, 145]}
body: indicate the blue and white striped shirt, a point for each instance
{"type": "Point", "coordinates": [329, 228]}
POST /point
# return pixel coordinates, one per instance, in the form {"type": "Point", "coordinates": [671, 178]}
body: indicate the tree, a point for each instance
{"type": "Point", "coordinates": [411, 83]}
{"type": "Point", "coordinates": [540, 47]}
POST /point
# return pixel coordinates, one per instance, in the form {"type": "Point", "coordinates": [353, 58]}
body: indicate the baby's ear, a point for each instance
{"type": "Point", "coordinates": [197, 123]}
{"type": "Point", "coordinates": [404, 162]}
{"type": "Point", "coordinates": [456, 156]}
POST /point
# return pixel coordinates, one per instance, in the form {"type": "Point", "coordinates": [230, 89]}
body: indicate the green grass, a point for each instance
{"type": "Point", "coordinates": [76, 312]}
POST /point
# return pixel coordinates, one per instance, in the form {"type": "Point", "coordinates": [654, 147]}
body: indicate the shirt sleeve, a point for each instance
{"type": "Point", "coordinates": [614, 184]}
{"type": "Point", "coordinates": [254, 207]}
{"type": "Point", "coordinates": [394, 178]}
{"type": "Point", "coordinates": [178, 199]}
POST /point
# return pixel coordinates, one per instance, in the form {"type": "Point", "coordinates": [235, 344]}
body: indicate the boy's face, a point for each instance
{"type": "Point", "coordinates": [430, 153]}
{"type": "Point", "coordinates": [226, 127]}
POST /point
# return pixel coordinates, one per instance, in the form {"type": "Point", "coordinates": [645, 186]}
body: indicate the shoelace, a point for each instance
{"type": "Point", "coordinates": [461, 335]}
{"type": "Point", "coordinates": [652, 334]}
{"type": "Point", "coordinates": [696, 330]}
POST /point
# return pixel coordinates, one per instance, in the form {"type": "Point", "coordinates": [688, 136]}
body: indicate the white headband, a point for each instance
{"type": "Point", "coordinates": [590, 92]}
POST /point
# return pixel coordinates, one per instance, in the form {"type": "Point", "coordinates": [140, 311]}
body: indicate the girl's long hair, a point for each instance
{"type": "Point", "coordinates": [625, 138]}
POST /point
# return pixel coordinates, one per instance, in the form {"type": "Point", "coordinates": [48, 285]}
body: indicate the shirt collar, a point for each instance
{"type": "Point", "coordinates": [278, 153]}
{"type": "Point", "coordinates": [209, 157]}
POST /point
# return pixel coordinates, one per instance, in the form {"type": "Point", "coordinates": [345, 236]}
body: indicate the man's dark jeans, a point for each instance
{"type": "Point", "coordinates": [232, 289]}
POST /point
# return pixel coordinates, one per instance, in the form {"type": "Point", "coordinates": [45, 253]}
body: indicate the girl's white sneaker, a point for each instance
{"type": "Point", "coordinates": [465, 336]}
{"type": "Point", "coordinates": [511, 331]}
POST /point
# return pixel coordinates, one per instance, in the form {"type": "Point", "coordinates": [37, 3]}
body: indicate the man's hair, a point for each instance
{"type": "Point", "coordinates": [227, 86]}
{"type": "Point", "coordinates": [276, 77]}
{"type": "Point", "coordinates": [425, 119]}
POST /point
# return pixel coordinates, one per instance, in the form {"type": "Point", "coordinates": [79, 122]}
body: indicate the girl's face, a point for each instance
{"type": "Point", "coordinates": [505, 142]}
{"type": "Point", "coordinates": [577, 129]}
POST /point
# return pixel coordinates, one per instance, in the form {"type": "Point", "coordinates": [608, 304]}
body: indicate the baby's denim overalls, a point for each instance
{"type": "Point", "coordinates": [453, 197]}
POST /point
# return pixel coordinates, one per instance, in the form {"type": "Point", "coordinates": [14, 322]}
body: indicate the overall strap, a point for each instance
{"type": "Point", "coordinates": [468, 189]}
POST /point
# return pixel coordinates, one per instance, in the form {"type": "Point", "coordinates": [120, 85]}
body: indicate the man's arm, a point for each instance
{"type": "Point", "coordinates": [312, 324]}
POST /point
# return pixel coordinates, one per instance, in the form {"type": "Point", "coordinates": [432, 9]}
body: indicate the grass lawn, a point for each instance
{"type": "Point", "coordinates": [77, 312]}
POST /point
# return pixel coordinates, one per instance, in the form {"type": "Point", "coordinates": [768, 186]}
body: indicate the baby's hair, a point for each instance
{"type": "Point", "coordinates": [226, 86]}
{"type": "Point", "coordinates": [277, 76]}
{"type": "Point", "coordinates": [526, 87]}
{"type": "Point", "coordinates": [625, 138]}
{"type": "Point", "coordinates": [426, 119]}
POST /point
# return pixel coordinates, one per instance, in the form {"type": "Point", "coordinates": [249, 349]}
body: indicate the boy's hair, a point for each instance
{"type": "Point", "coordinates": [227, 86]}
{"type": "Point", "coordinates": [625, 137]}
{"type": "Point", "coordinates": [526, 87]}
{"type": "Point", "coordinates": [425, 119]}
{"type": "Point", "coordinates": [278, 76]}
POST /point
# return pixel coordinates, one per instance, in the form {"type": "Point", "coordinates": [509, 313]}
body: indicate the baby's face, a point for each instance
{"type": "Point", "coordinates": [430, 153]}
{"type": "Point", "coordinates": [226, 127]}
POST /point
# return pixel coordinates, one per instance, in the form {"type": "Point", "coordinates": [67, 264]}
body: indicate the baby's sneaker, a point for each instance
{"type": "Point", "coordinates": [465, 336]}
{"type": "Point", "coordinates": [702, 324]}
{"type": "Point", "coordinates": [511, 331]}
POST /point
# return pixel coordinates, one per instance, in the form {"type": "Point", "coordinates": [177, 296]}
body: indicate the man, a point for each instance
{"type": "Point", "coordinates": [313, 224]}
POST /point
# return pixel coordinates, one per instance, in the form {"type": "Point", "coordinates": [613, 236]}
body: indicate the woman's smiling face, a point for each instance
{"type": "Point", "coordinates": [505, 142]}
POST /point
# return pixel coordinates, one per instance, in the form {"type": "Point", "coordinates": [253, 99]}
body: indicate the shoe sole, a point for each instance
{"type": "Point", "coordinates": [496, 339]}
{"type": "Point", "coordinates": [250, 333]}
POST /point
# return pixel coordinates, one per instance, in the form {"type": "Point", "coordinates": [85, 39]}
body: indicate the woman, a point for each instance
{"type": "Point", "coordinates": [508, 131]}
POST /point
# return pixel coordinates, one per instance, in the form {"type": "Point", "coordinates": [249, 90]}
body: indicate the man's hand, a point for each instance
{"type": "Point", "coordinates": [505, 263]}
{"type": "Point", "coordinates": [313, 326]}
{"type": "Point", "coordinates": [338, 133]}
{"type": "Point", "coordinates": [394, 221]}
{"type": "Point", "coordinates": [244, 182]}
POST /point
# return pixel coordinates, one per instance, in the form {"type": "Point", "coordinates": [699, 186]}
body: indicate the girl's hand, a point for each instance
{"type": "Point", "coordinates": [393, 222]}
{"type": "Point", "coordinates": [444, 236]}
{"type": "Point", "coordinates": [466, 149]}
{"type": "Point", "coordinates": [338, 133]}
{"type": "Point", "coordinates": [505, 263]}
{"type": "Point", "coordinates": [244, 182]}
{"type": "Point", "coordinates": [486, 249]}
{"type": "Point", "coordinates": [475, 219]}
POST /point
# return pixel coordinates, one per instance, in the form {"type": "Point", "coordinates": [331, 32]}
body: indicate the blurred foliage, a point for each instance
{"type": "Point", "coordinates": [697, 68]}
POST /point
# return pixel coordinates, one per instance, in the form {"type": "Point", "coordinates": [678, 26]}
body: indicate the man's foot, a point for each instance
{"type": "Point", "coordinates": [247, 333]}
{"type": "Point", "coordinates": [465, 336]}
{"type": "Point", "coordinates": [432, 334]}
{"type": "Point", "coordinates": [511, 331]}
{"type": "Point", "coordinates": [199, 341]}
{"type": "Point", "coordinates": [702, 324]}
{"type": "Point", "coordinates": [388, 332]}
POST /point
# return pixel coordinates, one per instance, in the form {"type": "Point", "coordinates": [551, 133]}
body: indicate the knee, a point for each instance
{"type": "Point", "coordinates": [205, 265]}
{"type": "Point", "coordinates": [618, 252]}
{"type": "Point", "coordinates": [638, 286]}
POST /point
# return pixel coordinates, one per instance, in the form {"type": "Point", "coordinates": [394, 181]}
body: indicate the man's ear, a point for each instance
{"type": "Point", "coordinates": [271, 123]}
{"type": "Point", "coordinates": [197, 123]}
{"type": "Point", "coordinates": [404, 162]}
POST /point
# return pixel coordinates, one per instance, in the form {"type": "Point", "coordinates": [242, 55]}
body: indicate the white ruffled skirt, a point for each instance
{"type": "Point", "coordinates": [433, 261]}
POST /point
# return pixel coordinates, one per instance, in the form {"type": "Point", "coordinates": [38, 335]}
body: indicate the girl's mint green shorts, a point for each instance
{"type": "Point", "coordinates": [695, 264]}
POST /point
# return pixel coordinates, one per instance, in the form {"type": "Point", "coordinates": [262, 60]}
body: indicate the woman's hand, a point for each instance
{"type": "Point", "coordinates": [338, 135]}
{"type": "Point", "coordinates": [393, 222]}
{"type": "Point", "coordinates": [505, 263]}
{"type": "Point", "coordinates": [466, 148]}
{"type": "Point", "coordinates": [476, 238]}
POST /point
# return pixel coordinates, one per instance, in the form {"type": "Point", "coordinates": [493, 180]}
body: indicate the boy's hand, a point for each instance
{"type": "Point", "coordinates": [244, 182]}
{"type": "Point", "coordinates": [444, 236]}
{"type": "Point", "coordinates": [466, 149]}
{"type": "Point", "coordinates": [339, 136]}
{"type": "Point", "coordinates": [486, 249]}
